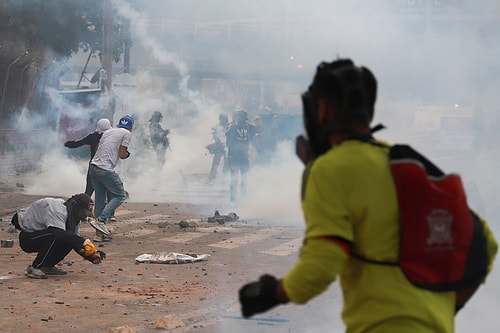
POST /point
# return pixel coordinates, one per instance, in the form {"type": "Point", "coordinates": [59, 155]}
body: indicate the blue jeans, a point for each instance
{"type": "Point", "coordinates": [107, 185]}
{"type": "Point", "coordinates": [238, 169]}
{"type": "Point", "coordinates": [89, 188]}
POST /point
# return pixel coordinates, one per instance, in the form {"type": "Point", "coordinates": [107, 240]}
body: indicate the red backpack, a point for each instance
{"type": "Point", "coordinates": [443, 245]}
{"type": "Point", "coordinates": [442, 241]}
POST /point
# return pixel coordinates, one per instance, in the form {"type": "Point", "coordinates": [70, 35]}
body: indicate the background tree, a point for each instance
{"type": "Point", "coordinates": [35, 35]}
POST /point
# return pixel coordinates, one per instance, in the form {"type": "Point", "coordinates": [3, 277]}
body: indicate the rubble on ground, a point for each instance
{"type": "Point", "coordinates": [221, 219]}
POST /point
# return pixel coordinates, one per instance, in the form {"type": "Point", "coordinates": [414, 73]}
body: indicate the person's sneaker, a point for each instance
{"type": "Point", "coordinates": [99, 226]}
{"type": "Point", "coordinates": [53, 270]}
{"type": "Point", "coordinates": [35, 273]}
{"type": "Point", "coordinates": [112, 218]}
{"type": "Point", "coordinates": [101, 237]}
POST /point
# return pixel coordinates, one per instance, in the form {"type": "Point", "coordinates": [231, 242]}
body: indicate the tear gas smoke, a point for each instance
{"type": "Point", "coordinates": [428, 57]}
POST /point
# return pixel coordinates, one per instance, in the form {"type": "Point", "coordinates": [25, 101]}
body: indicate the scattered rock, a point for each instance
{"type": "Point", "coordinates": [183, 224]}
{"type": "Point", "coordinates": [121, 329]}
{"type": "Point", "coordinates": [186, 224]}
{"type": "Point", "coordinates": [221, 219]}
{"type": "Point", "coordinates": [169, 321]}
{"type": "Point", "coordinates": [6, 243]}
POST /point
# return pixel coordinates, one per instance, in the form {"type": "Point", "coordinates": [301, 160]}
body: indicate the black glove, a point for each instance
{"type": "Point", "coordinates": [97, 257]}
{"type": "Point", "coordinates": [258, 296]}
{"type": "Point", "coordinates": [102, 254]}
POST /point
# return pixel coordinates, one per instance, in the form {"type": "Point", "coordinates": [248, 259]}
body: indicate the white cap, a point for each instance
{"type": "Point", "coordinates": [103, 125]}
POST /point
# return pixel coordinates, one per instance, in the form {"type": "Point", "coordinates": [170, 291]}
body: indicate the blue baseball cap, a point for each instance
{"type": "Point", "coordinates": [126, 122]}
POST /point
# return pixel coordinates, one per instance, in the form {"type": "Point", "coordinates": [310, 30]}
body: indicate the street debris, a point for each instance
{"type": "Point", "coordinates": [121, 329]}
{"type": "Point", "coordinates": [170, 258]}
{"type": "Point", "coordinates": [169, 321]}
{"type": "Point", "coordinates": [6, 243]}
{"type": "Point", "coordinates": [217, 218]}
{"type": "Point", "coordinates": [221, 219]}
{"type": "Point", "coordinates": [189, 223]}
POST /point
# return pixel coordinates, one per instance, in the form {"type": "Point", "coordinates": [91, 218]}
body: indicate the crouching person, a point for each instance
{"type": "Point", "coordinates": [50, 227]}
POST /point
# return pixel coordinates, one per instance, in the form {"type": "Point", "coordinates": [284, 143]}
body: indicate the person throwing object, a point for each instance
{"type": "Point", "coordinates": [107, 183]}
{"type": "Point", "coordinates": [352, 217]}
{"type": "Point", "coordinates": [92, 140]}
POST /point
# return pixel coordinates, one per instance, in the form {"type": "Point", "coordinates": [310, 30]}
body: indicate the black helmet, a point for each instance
{"type": "Point", "coordinates": [156, 117]}
{"type": "Point", "coordinates": [350, 88]}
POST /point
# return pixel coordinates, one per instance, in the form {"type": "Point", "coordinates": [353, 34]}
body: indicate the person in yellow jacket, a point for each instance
{"type": "Point", "coordinates": [350, 206]}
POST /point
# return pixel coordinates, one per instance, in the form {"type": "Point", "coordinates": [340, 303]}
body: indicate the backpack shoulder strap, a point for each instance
{"type": "Point", "coordinates": [401, 152]}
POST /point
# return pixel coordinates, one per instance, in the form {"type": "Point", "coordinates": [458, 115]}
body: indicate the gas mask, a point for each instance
{"type": "Point", "coordinates": [350, 89]}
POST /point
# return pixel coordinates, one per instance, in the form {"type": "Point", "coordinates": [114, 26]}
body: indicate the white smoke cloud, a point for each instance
{"type": "Point", "coordinates": [423, 53]}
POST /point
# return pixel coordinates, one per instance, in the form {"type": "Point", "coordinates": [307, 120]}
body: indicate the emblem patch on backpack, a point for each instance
{"type": "Point", "coordinates": [440, 238]}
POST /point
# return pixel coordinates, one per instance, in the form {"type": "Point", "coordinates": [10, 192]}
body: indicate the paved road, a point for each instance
{"type": "Point", "coordinates": [201, 296]}
{"type": "Point", "coordinates": [198, 297]}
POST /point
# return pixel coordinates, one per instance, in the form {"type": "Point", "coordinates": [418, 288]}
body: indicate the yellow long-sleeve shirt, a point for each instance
{"type": "Point", "coordinates": [349, 193]}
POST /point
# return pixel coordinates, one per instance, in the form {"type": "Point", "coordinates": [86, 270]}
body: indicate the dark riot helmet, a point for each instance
{"type": "Point", "coordinates": [156, 117]}
{"type": "Point", "coordinates": [351, 89]}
